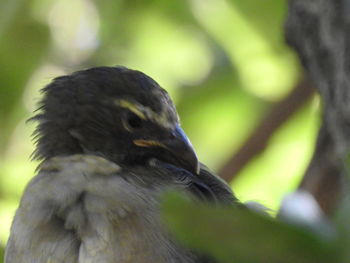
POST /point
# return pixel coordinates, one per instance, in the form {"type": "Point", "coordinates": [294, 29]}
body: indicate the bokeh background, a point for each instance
{"type": "Point", "coordinates": [225, 64]}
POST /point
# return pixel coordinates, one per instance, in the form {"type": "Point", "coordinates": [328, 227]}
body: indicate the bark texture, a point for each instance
{"type": "Point", "coordinates": [319, 32]}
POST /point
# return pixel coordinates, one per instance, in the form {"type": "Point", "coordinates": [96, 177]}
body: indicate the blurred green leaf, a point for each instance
{"type": "Point", "coordinates": [8, 10]}
{"type": "Point", "coordinates": [219, 107]}
{"type": "Point", "coordinates": [2, 253]}
{"type": "Point", "coordinates": [267, 17]}
{"type": "Point", "coordinates": [255, 48]}
{"type": "Point", "coordinates": [235, 234]}
{"type": "Point", "coordinates": [23, 43]}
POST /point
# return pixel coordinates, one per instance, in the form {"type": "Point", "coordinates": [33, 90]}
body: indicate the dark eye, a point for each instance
{"type": "Point", "coordinates": [132, 121]}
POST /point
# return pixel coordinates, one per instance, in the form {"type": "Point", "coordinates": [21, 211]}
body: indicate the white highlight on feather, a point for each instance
{"type": "Point", "coordinates": [300, 206]}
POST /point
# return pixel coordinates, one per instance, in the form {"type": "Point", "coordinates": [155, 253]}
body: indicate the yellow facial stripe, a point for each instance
{"type": "Point", "coordinates": [144, 112]}
{"type": "Point", "coordinates": [132, 107]}
{"type": "Point", "coordinates": [149, 143]}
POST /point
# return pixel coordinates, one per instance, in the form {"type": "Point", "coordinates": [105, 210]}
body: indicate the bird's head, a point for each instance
{"type": "Point", "coordinates": [118, 113]}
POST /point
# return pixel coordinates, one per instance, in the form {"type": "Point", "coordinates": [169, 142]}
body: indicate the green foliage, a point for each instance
{"type": "Point", "coordinates": [236, 234]}
{"type": "Point", "coordinates": [269, 19]}
{"type": "Point", "coordinates": [224, 63]}
{"type": "Point", "coordinates": [23, 43]}
{"type": "Point", "coordinates": [2, 253]}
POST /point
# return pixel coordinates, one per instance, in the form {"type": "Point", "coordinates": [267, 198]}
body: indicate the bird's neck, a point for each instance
{"type": "Point", "coordinates": [54, 141]}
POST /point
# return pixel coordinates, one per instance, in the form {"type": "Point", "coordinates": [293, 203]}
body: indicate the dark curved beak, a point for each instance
{"type": "Point", "coordinates": [179, 150]}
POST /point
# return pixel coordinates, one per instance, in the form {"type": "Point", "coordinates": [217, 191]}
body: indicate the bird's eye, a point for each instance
{"type": "Point", "coordinates": [132, 121]}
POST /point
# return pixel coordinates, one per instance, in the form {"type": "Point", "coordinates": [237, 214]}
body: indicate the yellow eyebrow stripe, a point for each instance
{"type": "Point", "coordinates": [132, 107]}
{"type": "Point", "coordinates": [145, 113]}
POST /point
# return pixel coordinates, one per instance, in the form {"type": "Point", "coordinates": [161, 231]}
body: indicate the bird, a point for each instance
{"type": "Point", "coordinates": [110, 143]}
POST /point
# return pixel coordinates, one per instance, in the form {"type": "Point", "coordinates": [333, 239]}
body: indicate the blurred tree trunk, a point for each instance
{"type": "Point", "coordinates": [319, 32]}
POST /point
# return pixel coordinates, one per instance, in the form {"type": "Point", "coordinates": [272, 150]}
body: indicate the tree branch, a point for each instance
{"type": "Point", "coordinates": [257, 142]}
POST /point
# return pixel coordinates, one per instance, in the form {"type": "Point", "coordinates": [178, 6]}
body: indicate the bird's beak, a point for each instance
{"type": "Point", "coordinates": [179, 148]}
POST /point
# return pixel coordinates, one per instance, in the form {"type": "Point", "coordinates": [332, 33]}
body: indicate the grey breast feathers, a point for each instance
{"type": "Point", "coordinates": [86, 209]}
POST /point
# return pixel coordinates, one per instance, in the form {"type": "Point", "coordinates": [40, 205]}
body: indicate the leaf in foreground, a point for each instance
{"type": "Point", "coordinates": [236, 234]}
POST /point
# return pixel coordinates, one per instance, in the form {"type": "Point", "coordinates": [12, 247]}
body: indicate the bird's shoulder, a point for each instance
{"type": "Point", "coordinates": [91, 173]}
{"type": "Point", "coordinates": [86, 203]}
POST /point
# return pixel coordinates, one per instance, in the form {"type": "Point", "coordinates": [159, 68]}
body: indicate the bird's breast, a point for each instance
{"type": "Point", "coordinates": [86, 209]}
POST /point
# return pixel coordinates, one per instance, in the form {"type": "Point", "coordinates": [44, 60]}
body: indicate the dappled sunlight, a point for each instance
{"type": "Point", "coordinates": [39, 79]}
{"type": "Point", "coordinates": [278, 170]}
{"type": "Point", "coordinates": [223, 71]}
{"type": "Point", "coordinates": [264, 70]}
{"type": "Point", "coordinates": [74, 28]}
{"type": "Point", "coordinates": [181, 57]}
